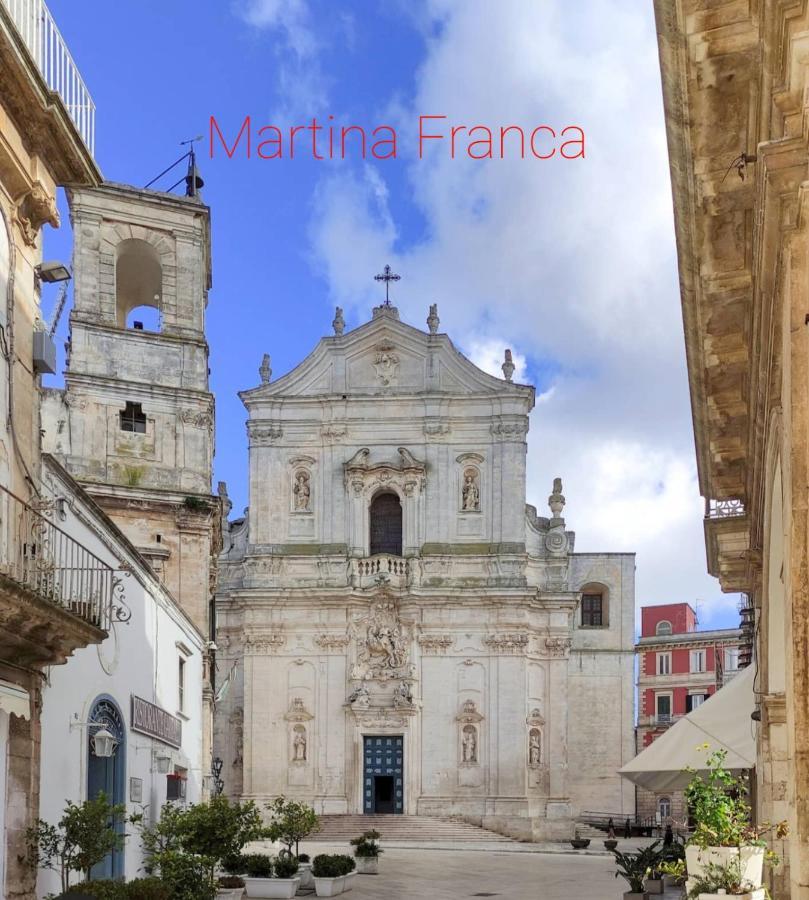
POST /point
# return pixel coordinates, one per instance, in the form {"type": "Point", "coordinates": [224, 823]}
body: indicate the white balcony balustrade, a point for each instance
{"type": "Point", "coordinates": [44, 41]}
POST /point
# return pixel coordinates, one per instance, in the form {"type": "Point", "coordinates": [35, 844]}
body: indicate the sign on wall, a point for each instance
{"type": "Point", "coordinates": [156, 722]}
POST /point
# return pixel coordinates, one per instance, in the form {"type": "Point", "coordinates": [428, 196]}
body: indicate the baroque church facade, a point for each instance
{"type": "Point", "coordinates": [400, 632]}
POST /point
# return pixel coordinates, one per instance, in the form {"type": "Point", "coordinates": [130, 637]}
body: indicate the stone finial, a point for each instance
{"type": "Point", "coordinates": [264, 370]}
{"type": "Point", "coordinates": [556, 501]}
{"type": "Point", "coordinates": [227, 505]}
{"type": "Point", "coordinates": [508, 366]}
{"type": "Point", "coordinates": [432, 320]}
{"type": "Point", "coordinates": [338, 323]}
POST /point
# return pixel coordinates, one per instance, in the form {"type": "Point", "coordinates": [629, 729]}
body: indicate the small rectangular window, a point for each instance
{"type": "Point", "coordinates": [663, 707]}
{"type": "Point", "coordinates": [697, 660]}
{"type": "Point", "coordinates": [664, 663]}
{"type": "Point", "coordinates": [592, 610]}
{"type": "Point", "coordinates": [731, 659]}
{"type": "Point", "coordinates": [692, 701]}
{"type": "Point", "coordinates": [181, 684]}
{"type": "Point", "coordinates": [133, 418]}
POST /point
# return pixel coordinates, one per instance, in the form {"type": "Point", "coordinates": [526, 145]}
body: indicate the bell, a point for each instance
{"type": "Point", "coordinates": [193, 180]}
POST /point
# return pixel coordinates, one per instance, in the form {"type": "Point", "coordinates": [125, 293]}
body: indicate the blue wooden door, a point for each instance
{"type": "Point", "coordinates": [383, 775]}
{"type": "Point", "coordinates": [108, 774]}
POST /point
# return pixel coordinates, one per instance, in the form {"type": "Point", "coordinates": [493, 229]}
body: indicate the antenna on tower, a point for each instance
{"type": "Point", "coordinates": [193, 180]}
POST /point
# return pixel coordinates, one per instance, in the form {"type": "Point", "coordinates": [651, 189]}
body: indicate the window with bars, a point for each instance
{"type": "Point", "coordinates": [386, 524]}
{"type": "Point", "coordinates": [133, 418]}
{"type": "Point", "coordinates": [592, 610]}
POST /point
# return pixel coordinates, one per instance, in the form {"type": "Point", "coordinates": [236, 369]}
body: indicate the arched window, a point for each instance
{"type": "Point", "coordinates": [663, 628]}
{"type": "Point", "coordinates": [143, 318]}
{"type": "Point", "coordinates": [664, 808]}
{"type": "Point", "coordinates": [138, 279]}
{"type": "Point", "coordinates": [386, 524]}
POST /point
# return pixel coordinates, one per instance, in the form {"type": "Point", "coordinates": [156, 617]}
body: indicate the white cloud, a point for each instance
{"type": "Point", "coordinates": [575, 261]}
{"type": "Point", "coordinates": [488, 354]}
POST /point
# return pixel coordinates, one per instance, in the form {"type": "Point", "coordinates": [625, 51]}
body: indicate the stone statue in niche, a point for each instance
{"type": "Point", "coordinates": [469, 744]}
{"type": "Point", "coordinates": [534, 748]}
{"type": "Point", "coordinates": [302, 491]}
{"type": "Point", "coordinates": [470, 494]}
{"type": "Point", "coordinates": [299, 744]}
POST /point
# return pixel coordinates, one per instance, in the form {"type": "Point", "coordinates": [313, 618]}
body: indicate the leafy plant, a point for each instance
{"type": "Point", "coordinates": [138, 889]}
{"type": "Point", "coordinates": [303, 857]}
{"type": "Point", "coordinates": [85, 834]}
{"type": "Point", "coordinates": [286, 867]}
{"type": "Point", "coordinates": [196, 504]}
{"type": "Point", "coordinates": [673, 868]}
{"type": "Point", "coordinates": [327, 865]}
{"type": "Point", "coordinates": [231, 881]}
{"type": "Point", "coordinates": [636, 867]}
{"type": "Point", "coordinates": [257, 865]}
{"type": "Point", "coordinates": [726, 879]}
{"type": "Point", "coordinates": [719, 803]}
{"type": "Point", "coordinates": [366, 846]}
{"type": "Point", "coordinates": [233, 863]}
{"type": "Point", "coordinates": [291, 822]}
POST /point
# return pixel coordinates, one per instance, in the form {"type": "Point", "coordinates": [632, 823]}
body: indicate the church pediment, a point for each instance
{"type": "Point", "coordinates": [383, 357]}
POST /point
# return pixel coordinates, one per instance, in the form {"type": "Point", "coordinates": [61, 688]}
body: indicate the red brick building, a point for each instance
{"type": "Point", "coordinates": [679, 667]}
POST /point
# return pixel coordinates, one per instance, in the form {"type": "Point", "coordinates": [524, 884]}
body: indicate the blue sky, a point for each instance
{"type": "Point", "coordinates": [571, 264]}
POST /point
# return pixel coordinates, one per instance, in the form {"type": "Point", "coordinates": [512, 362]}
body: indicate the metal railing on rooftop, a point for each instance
{"type": "Point", "coordinates": [38, 555]}
{"type": "Point", "coordinates": [46, 45]}
{"type": "Point", "coordinates": [724, 509]}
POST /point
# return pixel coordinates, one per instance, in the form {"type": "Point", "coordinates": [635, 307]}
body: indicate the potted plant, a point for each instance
{"type": "Point", "coordinates": [727, 880]}
{"type": "Point", "coordinates": [328, 874]}
{"type": "Point", "coordinates": [286, 881]}
{"type": "Point", "coordinates": [258, 870]}
{"type": "Point", "coordinates": [579, 843]}
{"type": "Point", "coordinates": [366, 852]}
{"type": "Point", "coordinates": [230, 887]}
{"type": "Point", "coordinates": [291, 822]}
{"type": "Point", "coordinates": [634, 869]}
{"type": "Point", "coordinates": [673, 871]}
{"type": "Point", "coordinates": [349, 871]}
{"type": "Point", "coordinates": [724, 833]}
{"type": "Point", "coordinates": [305, 872]}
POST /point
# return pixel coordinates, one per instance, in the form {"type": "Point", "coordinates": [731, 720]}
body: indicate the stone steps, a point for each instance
{"type": "Point", "coordinates": [338, 829]}
{"type": "Point", "coordinates": [588, 831]}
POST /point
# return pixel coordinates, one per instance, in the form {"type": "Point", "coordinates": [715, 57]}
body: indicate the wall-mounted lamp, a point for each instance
{"type": "Point", "coordinates": [162, 763]}
{"type": "Point", "coordinates": [52, 271]}
{"type": "Point", "coordinates": [103, 741]}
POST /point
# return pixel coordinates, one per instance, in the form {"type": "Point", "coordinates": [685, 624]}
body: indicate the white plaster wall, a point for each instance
{"type": "Point", "coordinates": [139, 657]}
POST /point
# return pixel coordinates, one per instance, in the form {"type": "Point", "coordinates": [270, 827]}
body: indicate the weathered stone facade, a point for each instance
{"type": "Point", "coordinates": [135, 423]}
{"type": "Point", "coordinates": [40, 149]}
{"type": "Point", "coordinates": [735, 89]}
{"type": "Point", "coordinates": [455, 641]}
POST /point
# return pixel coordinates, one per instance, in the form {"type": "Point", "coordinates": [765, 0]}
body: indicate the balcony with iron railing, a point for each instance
{"type": "Point", "coordinates": [46, 46]}
{"type": "Point", "coordinates": [55, 594]}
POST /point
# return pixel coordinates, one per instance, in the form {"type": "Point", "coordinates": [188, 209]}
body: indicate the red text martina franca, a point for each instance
{"type": "Point", "coordinates": [435, 134]}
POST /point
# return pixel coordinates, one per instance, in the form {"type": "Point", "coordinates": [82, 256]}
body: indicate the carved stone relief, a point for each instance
{"type": "Point", "coordinates": [302, 491]}
{"type": "Point", "coordinates": [386, 364]}
{"type": "Point", "coordinates": [383, 644]}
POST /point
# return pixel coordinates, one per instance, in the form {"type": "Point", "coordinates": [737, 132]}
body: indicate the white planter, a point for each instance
{"type": "Point", "coordinates": [229, 893]}
{"type": "Point", "coordinates": [329, 887]}
{"type": "Point", "coordinates": [276, 888]}
{"type": "Point", "coordinates": [349, 883]}
{"type": "Point", "coordinates": [305, 874]}
{"type": "Point", "coordinates": [751, 859]}
{"type": "Point", "coordinates": [367, 865]}
{"type": "Point", "coordinates": [756, 895]}
{"type": "Point", "coordinates": [341, 883]}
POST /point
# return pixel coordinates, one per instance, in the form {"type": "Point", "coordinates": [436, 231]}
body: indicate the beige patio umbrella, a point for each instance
{"type": "Point", "coordinates": [723, 721]}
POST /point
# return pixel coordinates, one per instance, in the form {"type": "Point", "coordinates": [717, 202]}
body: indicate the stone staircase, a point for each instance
{"type": "Point", "coordinates": [423, 829]}
{"type": "Point", "coordinates": [588, 831]}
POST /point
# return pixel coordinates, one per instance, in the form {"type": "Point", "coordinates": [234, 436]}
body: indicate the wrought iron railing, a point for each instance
{"type": "Point", "coordinates": [724, 509]}
{"type": "Point", "coordinates": [46, 45]}
{"type": "Point", "coordinates": [38, 555]}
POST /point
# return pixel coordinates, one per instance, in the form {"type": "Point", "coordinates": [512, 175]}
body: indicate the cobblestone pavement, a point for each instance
{"type": "Point", "coordinates": [454, 874]}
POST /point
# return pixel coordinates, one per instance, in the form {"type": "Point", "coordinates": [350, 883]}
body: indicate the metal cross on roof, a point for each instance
{"type": "Point", "coordinates": [387, 276]}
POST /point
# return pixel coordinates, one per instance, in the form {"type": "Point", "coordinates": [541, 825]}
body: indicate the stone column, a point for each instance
{"type": "Point", "coordinates": [558, 824]}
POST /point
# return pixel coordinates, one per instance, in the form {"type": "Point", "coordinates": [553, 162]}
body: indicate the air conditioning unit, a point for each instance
{"type": "Point", "coordinates": [44, 353]}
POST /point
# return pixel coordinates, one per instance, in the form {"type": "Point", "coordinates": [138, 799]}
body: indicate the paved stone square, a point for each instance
{"type": "Point", "coordinates": [454, 874]}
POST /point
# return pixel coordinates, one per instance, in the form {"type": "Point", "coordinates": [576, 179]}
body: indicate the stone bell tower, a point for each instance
{"type": "Point", "coordinates": [135, 424]}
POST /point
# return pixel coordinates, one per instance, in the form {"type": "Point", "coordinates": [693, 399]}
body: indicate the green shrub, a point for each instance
{"type": "Point", "coordinates": [304, 857]}
{"type": "Point", "coordinates": [366, 845]}
{"type": "Point", "coordinates": [326, 865]}
{"type": "Point", "coordinates": [286, 867]}
{"type": "Point", "coordinates": [187, 876]}
{"type": "Point", "coordinates": [139, 889]}
{"type": "Point", "coordinates": [231, 881]}
{"type": "Point", "coordinates": [233, 864]}
{"type": "Point", "coordinates": [103, 890]}
{"type": "Point", "coordinates": [147, 889]}
{"type": "Point", "coordinates": [346, 864]}
{"type": "Point", "coordinates": [257, 865]}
